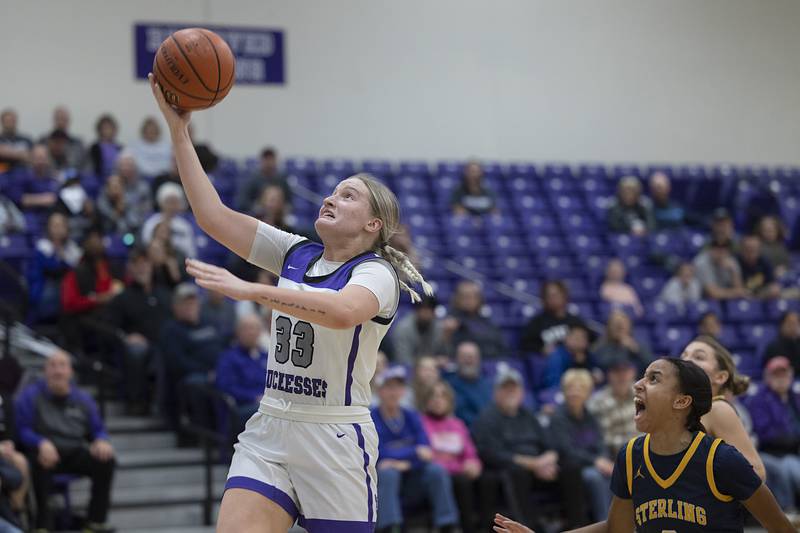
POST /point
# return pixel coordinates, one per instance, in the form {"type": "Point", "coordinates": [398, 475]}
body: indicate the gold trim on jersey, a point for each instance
{"type": "Point", "coordinates": [629, 464]}
{"type": "Point", "coordinates": [710, 473]}
{"type": "Point", "coordinates": [718, 397]}
{"type": "Point", "coordinates": [667, 483]}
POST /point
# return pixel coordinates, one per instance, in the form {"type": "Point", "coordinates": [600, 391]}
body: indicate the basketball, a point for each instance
{"type": "Point", "coordinates": [195, 68]}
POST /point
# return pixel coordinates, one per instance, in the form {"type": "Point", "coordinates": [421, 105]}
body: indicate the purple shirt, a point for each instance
{"type": "Point", "coordinates": [108, 158]}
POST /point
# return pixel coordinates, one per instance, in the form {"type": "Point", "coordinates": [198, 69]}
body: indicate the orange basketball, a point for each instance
{"type": "Point", "coordinates": [195, 68]}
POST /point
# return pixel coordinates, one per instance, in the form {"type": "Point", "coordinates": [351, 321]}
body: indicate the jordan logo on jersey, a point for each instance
{"type": "Point", "coordinates": [639, 473]}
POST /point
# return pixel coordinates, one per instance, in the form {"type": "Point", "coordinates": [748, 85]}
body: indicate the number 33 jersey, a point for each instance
{"type": "Point", "coordinates": [319, 374]}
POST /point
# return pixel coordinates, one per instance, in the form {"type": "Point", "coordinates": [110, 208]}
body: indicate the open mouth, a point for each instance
{"type": "Point", "coordinates": [327, 214]}
{"type": "Point", "coordinates": [640, 407]}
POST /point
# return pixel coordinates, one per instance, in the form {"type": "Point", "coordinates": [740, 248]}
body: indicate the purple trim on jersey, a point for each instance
{"type": "Point", "coordinates": [300, 259]}
{"type": "Point", "coordinates": [265, 489]}
{"type": "Point", "coordinates": [351, 362]}
{"type": "Point", "coordinates": [321, 525]}
{"type": "Point", "coordinates": [366, 470]}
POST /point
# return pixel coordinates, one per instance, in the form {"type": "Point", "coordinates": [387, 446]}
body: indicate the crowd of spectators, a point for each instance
{"type": "Point", "coordinates": [466, 413]}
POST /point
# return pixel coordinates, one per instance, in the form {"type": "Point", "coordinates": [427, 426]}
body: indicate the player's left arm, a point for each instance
{"type": "Point", "coordinates": [765, 509]}
{"type": "Point", "coordinates": [723, 422]}
{"type": "Point", "coordinates": [345, 309]}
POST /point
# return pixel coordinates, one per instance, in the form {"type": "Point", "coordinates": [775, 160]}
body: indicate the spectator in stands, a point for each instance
{"type": "Point", "coordinates": [616, 291]}
{"type": "Point", "coordinates": [11, 218]}
{"type": "Point", "coordinates": [472, 389]}
{"type": "Point", "coordinates": [263, 312]}
{"type": "Point", "coordinates": [511, 442]}
{"type": "Point", "coordinates": [103, 153]}
{"type": "Point", "coordinates": [454, 450]}
{"type": "Point", "coordinates": [61, 430]}
{"type": "Point", "coordinates": [14, 148]}
{"type": "Point", "coordinates": [683, 289]}
{"type": "Point", "coordinates": [574, 353]}
{"type": "Point", "coordinates": [580, 441]}
{"type": "Point", "coordinates": [787, 343]}
{"type": "Point", "coordinates": [547, 329]}
{"type": "Point", "coordinates": [406, 473]}
{"type": "Point", "coordinates": [55, 254]}
{"type": "Point", "coordinates": [381, 364]}
{"type": "Point", "coordinates": [116, 215]}
{"type": "Point", "coordinates": [426, 375]}
{"type": "Point", "coordinates": [172, 204]}
{"type": "Point", "coordinates": [419, 332]}
{"type": "Point", "coordinates": [723, 231]}
{"type": "Point", "coordinates": [774, 410]}
{"type": "Point", "coordinates": [137, 191]}
{"type": "Point", "coordinates": [710, 325]}
{"type": "Point", "coordinates": [630, 213]}
{"type": "Point", "coordinates": [472, 197]}
{"type": "Point", "coordinates": [190, 346]}
{"type": "Point", "coordinates": [612, 406]}
{"type": "Point", "coordinates": [208, 159]}
{"type": "Point", "coordinates": [58, 148]}
{"type": "Point", "coordinates": [773, 244]}
{"type": "Point", "coordinates": [758, 277]}
{"type": "Point", "coordinates": [38, 187]}
{"type": "Point", "coordinates": [69, 154]}
{"type": "Point", "coordinates": [267, 174]}
{"type": "Point", "coordinates": [220, 312]}
{"type": "Point", "coordinates": [14, 468]}
{"type": "Point", "coordinates": [139, 311]}
{"type": "Point", "coordinates": [667, 214]}
{"type": "Point", "coordinates": [171, 176]}
{"type": "Point", "coordinates": [151, 153]}
{"type": "Point", "coordinates": [91, 284]}
{"type": "Point", "coordinates": [465, 322]}
{"type": "Point", "coordinates": [719, 272]}
{"type": "Point", "coordinates": [241, 369]}
{"type": "Point", "coordinates": [77, 205]}
{"type": "Point", "coordinates": [168, 264]}
{"type": "Point", "coordinates": [618, 342]}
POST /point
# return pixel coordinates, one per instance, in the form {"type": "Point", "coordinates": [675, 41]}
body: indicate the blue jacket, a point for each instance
{"type": "Point", "coordinates": [472, 396]}
{"type": "Point", "coordinates": [240, 375]}
{"type": "Point", "coordinates": [772, 421]}
{"type": "Point", "coordinates": [69, 422]}
{"type": "Point", "coordinates": [400, 443]}
{"type": "Point", "coordinates": [559, 362]}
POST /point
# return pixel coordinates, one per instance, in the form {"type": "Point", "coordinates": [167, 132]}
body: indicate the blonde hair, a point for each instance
{"type": "Point", "coordinates": [577, 376]}
{"type": "Point", "coordinates": [736, 383]}
{"type": "Point", "coordinates": [430, 391]}
{"type": "Point", "coordinates": [384, 206]}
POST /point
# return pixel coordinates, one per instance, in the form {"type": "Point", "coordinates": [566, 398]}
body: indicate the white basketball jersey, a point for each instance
{"type": "Point", "coordinates": [314, 373]}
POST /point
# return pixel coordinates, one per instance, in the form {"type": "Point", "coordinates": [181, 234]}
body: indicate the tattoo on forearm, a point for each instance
{"type": "Point", "coordinates": [293, 305]}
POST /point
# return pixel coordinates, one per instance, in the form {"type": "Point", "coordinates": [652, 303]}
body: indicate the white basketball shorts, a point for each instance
{"type": "Point", "coordinates": [321, 474]}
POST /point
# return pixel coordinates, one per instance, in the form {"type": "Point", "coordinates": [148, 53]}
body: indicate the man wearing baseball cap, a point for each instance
{"type": "Point", "coordinates": [512, 442]}
{"type": "Point", "coordinates": [775, 410]}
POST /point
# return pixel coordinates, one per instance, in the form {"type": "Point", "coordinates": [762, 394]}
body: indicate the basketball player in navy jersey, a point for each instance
{"type": "Point", "coordinates": [676, 478]}
{"type": "Point", "coordinates": [309, 453]}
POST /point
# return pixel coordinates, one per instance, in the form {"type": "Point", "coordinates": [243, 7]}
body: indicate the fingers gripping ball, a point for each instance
{"type": "Point", "coordinates": [195, 68]}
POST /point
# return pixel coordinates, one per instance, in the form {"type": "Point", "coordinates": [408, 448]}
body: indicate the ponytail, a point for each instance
{"type": "Point", "coordinates": [693, 422]}
{"type": "Point", "coordinates": [403, 265]}
{"type": "Point", "coordinates": [737, 384]}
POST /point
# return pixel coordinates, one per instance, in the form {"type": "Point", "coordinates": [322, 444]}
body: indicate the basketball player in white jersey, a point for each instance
{"type": "Point", "coordinates": [309, 453]}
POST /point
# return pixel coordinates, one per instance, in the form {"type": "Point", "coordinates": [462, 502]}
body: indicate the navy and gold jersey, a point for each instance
{"type": "Point", "coordinates": [696, 490]}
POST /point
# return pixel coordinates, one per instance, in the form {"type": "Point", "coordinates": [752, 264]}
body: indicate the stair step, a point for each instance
{"type": "Point", "coordinates": [133, 424]}
{"type": "Point", "coordinates": [154, 440]}
{"type": "Point", "coordinates": [156, 477]}
{"type": "Point", "coordinates": [159, 518]}
{"type": "Point", "coordinates": [152, 496]}
{"type": "Point", "coordinates": [153, 458]}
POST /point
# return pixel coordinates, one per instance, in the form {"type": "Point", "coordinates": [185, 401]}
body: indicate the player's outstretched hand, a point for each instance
{"type": "Point", "coordinates": [176, 118]}
{"type": "Point", "coordinates": [506, 525]}
{"type": "Point", "coordinates": [218, 279]}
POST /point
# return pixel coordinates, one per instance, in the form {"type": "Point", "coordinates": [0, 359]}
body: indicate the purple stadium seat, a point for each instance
{"type": "Point", "coordinates": [673, 339]}
{"type": "Point", "coordinates": [748, 363]}
{"type": "Point", "coordinates": [377, 167]}
{"type": "Point", "coordinates": [775, 309]}
{"type": "Point", "coordinates": [695, 311]}
{"type": "Point", "coordinates": [743, 310]}
{"type": "Point", "coordinates": [453, 168]}
{"type": "Point", "coordinates": [415, 168]}
{"type": "Point", "coordinates": [728, 172]}
{"type": "Point", "coordinates": [625, 245]}
{"type": "Point", "coordinates": [557, 170]}
{"type": "Point", "coordinates": [466, 244]}
{"type": "Point", "coordinates": [622, 170]}
{"type": "Point", "coordinates": [540, 225]}
{"type": "Point", "coordinates": [301, 165]}
{"type": "Point", "coordinates": [492, 169]}
{"type": "Point", "coordinates": [525, 170]}
{"type": "Point", "coordinates": [513, 265]}
{"type": "Point", "coordinates": [409, 183]}
{"type": "Point", "coordinates": [522, 185]}
{"type": "Point", "coordinates": [662, 313]}
{"type": "Point", "coordinates": [729, 337]}
{"type": "Point", "coordinates": [506, 245]}
{"type": "Point", "coordinates": [583, 308]}
{"type": "Point", "coordinates": [664, 169]}
{"type": "Point", "coordinates": [576, 221]}
{"type": "Point", "coordinates": [592, 171]}
{"type": "Point", "coordinates": [757, 335]}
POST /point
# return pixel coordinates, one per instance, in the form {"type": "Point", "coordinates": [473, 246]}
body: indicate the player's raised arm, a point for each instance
{"type": "Point", "coordinates": [234, 230]}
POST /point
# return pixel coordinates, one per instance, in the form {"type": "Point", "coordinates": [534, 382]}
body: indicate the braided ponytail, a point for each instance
{"type": "Point", "coordinates": [385, 207]}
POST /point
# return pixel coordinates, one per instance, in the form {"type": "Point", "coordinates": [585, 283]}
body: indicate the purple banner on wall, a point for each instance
{"type": "Point", "coordinates": [259, 52]}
